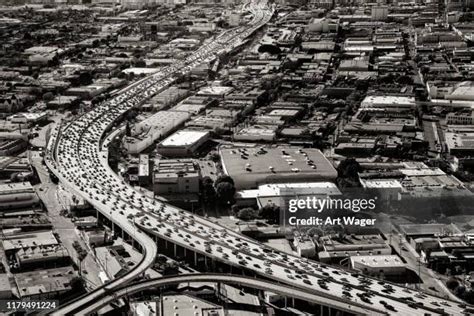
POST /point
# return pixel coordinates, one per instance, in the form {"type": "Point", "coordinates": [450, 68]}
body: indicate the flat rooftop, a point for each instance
{"type": "Point", "coordinates": [352, 242]}
{"type": "Point", "coordinates": [181, 304]}
{"type": "Point", "coordinates": [45, 281]}
{"type": "Point", "coordinates": [4, 283]}
{"type": "Point", "coordinates": [388, 101]}
{"type": "Point", "coordinates": [292, 189]}
{"type": "Point", "coordinates": [381, 183]}
{"type": "Point", "coordinates": [378, 261]}
{"type": "Point", "coordinates": [429, 229]}
{"type": "Point", "coordinates": [250, 167]}
{"type": "Point", "coordinates": [455, 140]}
{"type": "Point", "coordinates": [174, 165]}
{"type": "Point", "coordinates": [184, 138]}
{"type": "Point", "coordinates": [18, 187]}
{"type": "Point", "coordinates": [30, 239]}
{"type": "Point", "coordinates": [215, 90]}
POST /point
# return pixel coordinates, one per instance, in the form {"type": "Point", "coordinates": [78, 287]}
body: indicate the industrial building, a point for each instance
{"type": "Point", "coordinates": [253, 166]}
{"type": "Point", "coordinates": [280, 193]}
{"type": "Point", "coordinates": [45, 283]}
{"type": "Point", "coordinates": [183, 143]}
{"type": "Point", "coordinates": [334, 249]}
{"type": "Point", "coordinates": [24, 240]}
{"type": "Point", "coordinates": [17, 195]}
{"type": "Point", "coordinates": [173, 176]}
{"type": "Point", "coordinates": [155, 127]}
{"type": "Point", "coordinates": [379, 266]}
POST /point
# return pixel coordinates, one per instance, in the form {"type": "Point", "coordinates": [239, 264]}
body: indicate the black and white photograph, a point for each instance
{"type": "Point", "coordinates": [237, 157]}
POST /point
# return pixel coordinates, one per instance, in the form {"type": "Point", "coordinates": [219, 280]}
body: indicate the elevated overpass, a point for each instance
{"type": "Point", "coordinates": [259, 284]}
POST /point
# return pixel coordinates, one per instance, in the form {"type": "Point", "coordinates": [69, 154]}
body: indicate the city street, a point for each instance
{"type": "Point", "coordinates": [432, 282]}
{"type": "Point", "coordinates": [63, 226]}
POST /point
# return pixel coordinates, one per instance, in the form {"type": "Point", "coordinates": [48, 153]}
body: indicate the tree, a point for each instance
{"type": "Point", "coordinates": [215, 157]}
{"type": "Point", "coordinates": [114, 153]}
{"type": "Point", "coordinates": [48, 96]}
{"type": "Point", "coordinates": [469, 296]}
{"type": "Point", "coordinates": [348, 172]}
{"type": "Point", "coordinates": [452, 283]}
{"type": "Point", "coordinates": [224, 178]}
{"type": "Point", "coordinates": [122, 75]}
{"type": "Point", "coordinates": [271, 213]}
{"type": "Point", "coordinates": [234, 210]}
{"type": "Point", "coordinates": [77, 284]}
{"type": "Point", "coordinates": [140, 63]}
{"type": "Point", "coordinates": [460, 290]}
{"type": "Point", "coordinates": [128, 131]}
{"type": "Point", "coordinates": [247, 214]}
{"type": "Point", "coordinates": [85, 78]}
{"type": "Point", "coordinates": [291, 65]}
{"type": "Point", "coordinates": [225, 192]}
{"type": "Point", "coordinates": [208, 191]}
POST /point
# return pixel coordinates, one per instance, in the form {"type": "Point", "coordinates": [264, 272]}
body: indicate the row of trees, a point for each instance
{"type": "Point", "coordinates": [460, 290]}
{"type": "Point", "coordinates": [220, 192]}
{"type": "Point", "coordinates": [269, 212]}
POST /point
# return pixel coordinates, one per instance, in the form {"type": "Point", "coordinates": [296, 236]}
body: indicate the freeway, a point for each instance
{"type": "Point", "coordinates": [73, 151]}
{"type": "Point", "coordinates": [77, 154]}
{"type": "Point", "coordinates": [260, 284]}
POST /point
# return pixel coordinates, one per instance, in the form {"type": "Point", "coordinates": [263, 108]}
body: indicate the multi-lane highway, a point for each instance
{"type": "Point", "coordinates": [77, 154]}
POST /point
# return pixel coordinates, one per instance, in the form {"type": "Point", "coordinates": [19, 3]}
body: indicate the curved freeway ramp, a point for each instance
{"type": "Point", "coordinates": [259, 284]}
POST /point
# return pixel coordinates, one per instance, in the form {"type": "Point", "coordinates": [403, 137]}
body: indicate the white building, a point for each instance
{"type": "Point", "coordinates": [30, 118]}
{"type": "Point", "coordinates": [305, 246]}
{"type": "Point", "coordinates": [138, 4]}
{"type": "Point", "coordinates": [256, 133]}
{"type": "Point", "coordinates": [279, 193]}
{"type": "Point", "coordinates": [183, 143]}
{"type": "Point", "coordinates": [379, 13]}
{"type": "Point", "coordinates": [154, 128]}
{"type": "Point", "coordinates": [387, 103]}
{"type": "Point", "coordinates": [378, 265]}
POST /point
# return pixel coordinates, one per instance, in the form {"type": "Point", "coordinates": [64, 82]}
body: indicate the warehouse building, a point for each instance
{"type": "Point", "coordinates": [250, 167]}
{"type": "Point", "coordinates": [173, 176]}
{"type": "Point", "coordinates": [184, 143]}
{"type": "Point", "coordinates": [159, 125]}
{"type": "Point", "coordinates": [17, 195]}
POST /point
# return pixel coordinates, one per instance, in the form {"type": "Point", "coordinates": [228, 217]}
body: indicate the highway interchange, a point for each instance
{"type": "Point", "coordinates": [77, 154]}
{"type": "Point", "coordinates": [235, 280]}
